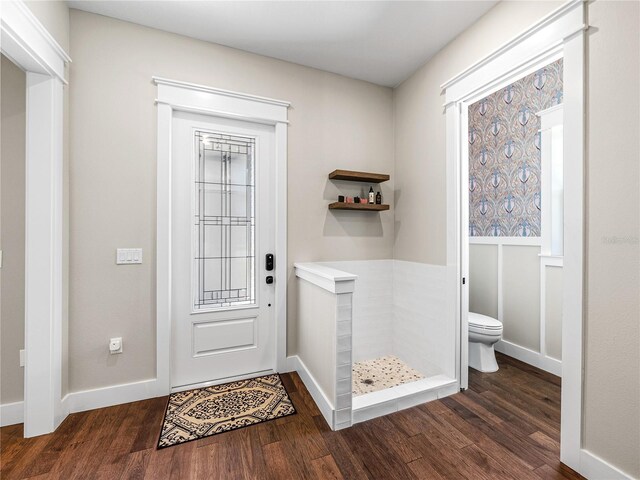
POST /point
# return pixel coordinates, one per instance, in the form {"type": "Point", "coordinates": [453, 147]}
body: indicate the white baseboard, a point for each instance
{"type": "Point", "coordinates": [11, 413]}
{"type": "Point", "coordinates": [595, 468]}
{"type": "Point", "coordinates": [295, 363]}
{"type": "Point", "coordinates": [525, 355]}
{"type": "Point", "coordinates": [292, 364]}
{"type": "Point", "coordinates": [82, 401]}
{"type": "Point", "coordinates": [109, 396]}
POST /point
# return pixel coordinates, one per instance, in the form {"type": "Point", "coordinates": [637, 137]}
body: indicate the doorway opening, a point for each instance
{"type": "Point", "coordinates": [558, 36]}
{"type": "Point", "coordinates": [515, 223]}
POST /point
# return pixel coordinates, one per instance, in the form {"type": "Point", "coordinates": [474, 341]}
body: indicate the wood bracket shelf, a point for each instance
{"type": "Point", "coordinates": [358, 176]}
{"type": "Point", "coordinates": [352, 176]}
{"type": "Point", "coordinates": [358, 206]}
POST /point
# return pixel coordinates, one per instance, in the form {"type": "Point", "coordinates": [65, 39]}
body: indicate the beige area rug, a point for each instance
{"type": "Point", "coordinates": [384, 372]}
{"type": "Point", "coordinates": [217, 409]}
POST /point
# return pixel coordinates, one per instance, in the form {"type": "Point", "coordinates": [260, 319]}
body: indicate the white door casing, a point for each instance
{"type": "Point", "coordinates": [176, 96]}
{"type": "Point", "coordinates": [30, 46]}
{"type": "Point", "coordinates": [223, 226]}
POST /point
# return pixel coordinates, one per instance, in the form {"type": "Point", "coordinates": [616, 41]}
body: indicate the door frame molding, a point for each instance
{"type": "Point", "coordinates": [174, 95]}
{"type": "Point", "coordinates": [31, 47]}
{"type": "Point", "coordinates": [561, 33]}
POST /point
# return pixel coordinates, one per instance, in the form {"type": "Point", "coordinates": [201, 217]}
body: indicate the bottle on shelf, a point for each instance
{"type": "Point", "coordinates": [371, 196]}
{"type": "Point", "coordinates": [378, 198]}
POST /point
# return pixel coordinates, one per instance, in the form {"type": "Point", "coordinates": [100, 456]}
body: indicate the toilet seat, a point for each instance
{"type": "Point", "coordinates": [484, 325]}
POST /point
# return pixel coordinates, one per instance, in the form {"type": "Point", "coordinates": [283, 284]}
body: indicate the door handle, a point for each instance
{"type": "Point", "coordinates": [269, 280]}
{"type": "Point", "coordinates": [268, 262]}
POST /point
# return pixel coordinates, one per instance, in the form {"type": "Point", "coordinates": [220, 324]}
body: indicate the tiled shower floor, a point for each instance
{"type": "Point", "coordinates": [380, 373]}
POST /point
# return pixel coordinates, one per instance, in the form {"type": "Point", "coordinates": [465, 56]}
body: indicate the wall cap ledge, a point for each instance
{"type": "Point", "coordinates": [330, 279]}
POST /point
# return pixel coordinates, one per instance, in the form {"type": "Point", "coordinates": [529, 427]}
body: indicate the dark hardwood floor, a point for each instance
{"type": "Point", "coordinates": [506, 426]}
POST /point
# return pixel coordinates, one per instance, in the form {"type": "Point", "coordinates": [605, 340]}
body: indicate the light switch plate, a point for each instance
{"type": "Point", "coordinates": [128, 256]}
{"type": "Point", "coordinates": [22, 357]}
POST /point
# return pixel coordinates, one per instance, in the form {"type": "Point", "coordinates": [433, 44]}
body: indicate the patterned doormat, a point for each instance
{"type": "Point", "coordinates": [217, 409]}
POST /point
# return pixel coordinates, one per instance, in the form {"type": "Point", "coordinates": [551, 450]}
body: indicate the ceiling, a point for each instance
{"type": "Point", "coordinates": [382, 42]}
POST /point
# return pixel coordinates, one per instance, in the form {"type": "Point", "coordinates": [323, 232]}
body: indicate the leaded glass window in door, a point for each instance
{"type": "Point", "coordinates": [224, 221]}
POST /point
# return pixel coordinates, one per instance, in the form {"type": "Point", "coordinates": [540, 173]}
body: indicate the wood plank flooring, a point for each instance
{"type": "Point", "coordinates": [506, 426]}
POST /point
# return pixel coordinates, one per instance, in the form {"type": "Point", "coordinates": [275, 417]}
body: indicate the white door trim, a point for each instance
{"type": "Point", "coordinates": [561, 33]}
{"type": "Point", "coordinates": [28, 44]}
{"type": "Point", "coordinates": [175, 95]}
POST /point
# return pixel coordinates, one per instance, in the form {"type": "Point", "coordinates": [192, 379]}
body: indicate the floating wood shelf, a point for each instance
{"type": "Point", "coordinates": [357, 206]}
{"type": "Point", "coordinates": [358, 176]}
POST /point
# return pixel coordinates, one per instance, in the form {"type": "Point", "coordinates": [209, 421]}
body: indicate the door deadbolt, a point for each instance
{"type": "Point", "coordinates": [269, 280]}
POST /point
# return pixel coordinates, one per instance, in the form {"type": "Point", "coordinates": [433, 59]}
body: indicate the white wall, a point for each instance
{"type": "Point", "coordinates": [612, 344]}
{"type": "Point", "coordinates": [12, 233]}
{"type": "Point", "coordinates": [335, 123]}
{"type": "Point", "coordinates": [521, 295]}
{"type": "Point", "coordinates": [54, 16]}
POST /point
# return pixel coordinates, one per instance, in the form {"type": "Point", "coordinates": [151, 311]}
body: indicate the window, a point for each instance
{"type": "Point", "coordinates": [224, 221]}
{"type": "Point", "coordinates": [552, 201]}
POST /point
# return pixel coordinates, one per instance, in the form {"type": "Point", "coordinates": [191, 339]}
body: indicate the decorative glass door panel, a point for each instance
{"type": "Point", "coordinates": [224, 270]}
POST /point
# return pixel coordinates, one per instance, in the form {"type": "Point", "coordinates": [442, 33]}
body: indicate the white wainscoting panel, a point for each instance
{"type": "Point", "coordinates": [525, 355]}
{"type": "Point", "coordinates": [527, 304]}
{"type": "Point", "coordinates": [551, 309]}
{"type": "Point", "coordinates": [521, 295]}
{"type": "Point", "coordinates": [483, 279]}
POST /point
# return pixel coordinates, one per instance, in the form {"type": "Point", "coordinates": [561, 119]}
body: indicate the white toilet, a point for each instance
{"type": "Point", "coordinates": [484, 332]}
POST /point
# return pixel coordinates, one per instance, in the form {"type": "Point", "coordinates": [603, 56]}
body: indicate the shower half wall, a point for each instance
{"type": "Point", "coordinates": [374, 337]}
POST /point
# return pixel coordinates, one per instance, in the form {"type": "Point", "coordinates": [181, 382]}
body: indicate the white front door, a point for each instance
{"type": "Point", "coordinates": [222, 229]}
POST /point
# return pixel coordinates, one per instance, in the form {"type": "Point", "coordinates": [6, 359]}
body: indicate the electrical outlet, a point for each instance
{"type": "Point", "coordinates": [22, 360]}
{"type": "Point", "coordinates": [128, 256]}
{"type": "Point", "coordinates": [115, 345]}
